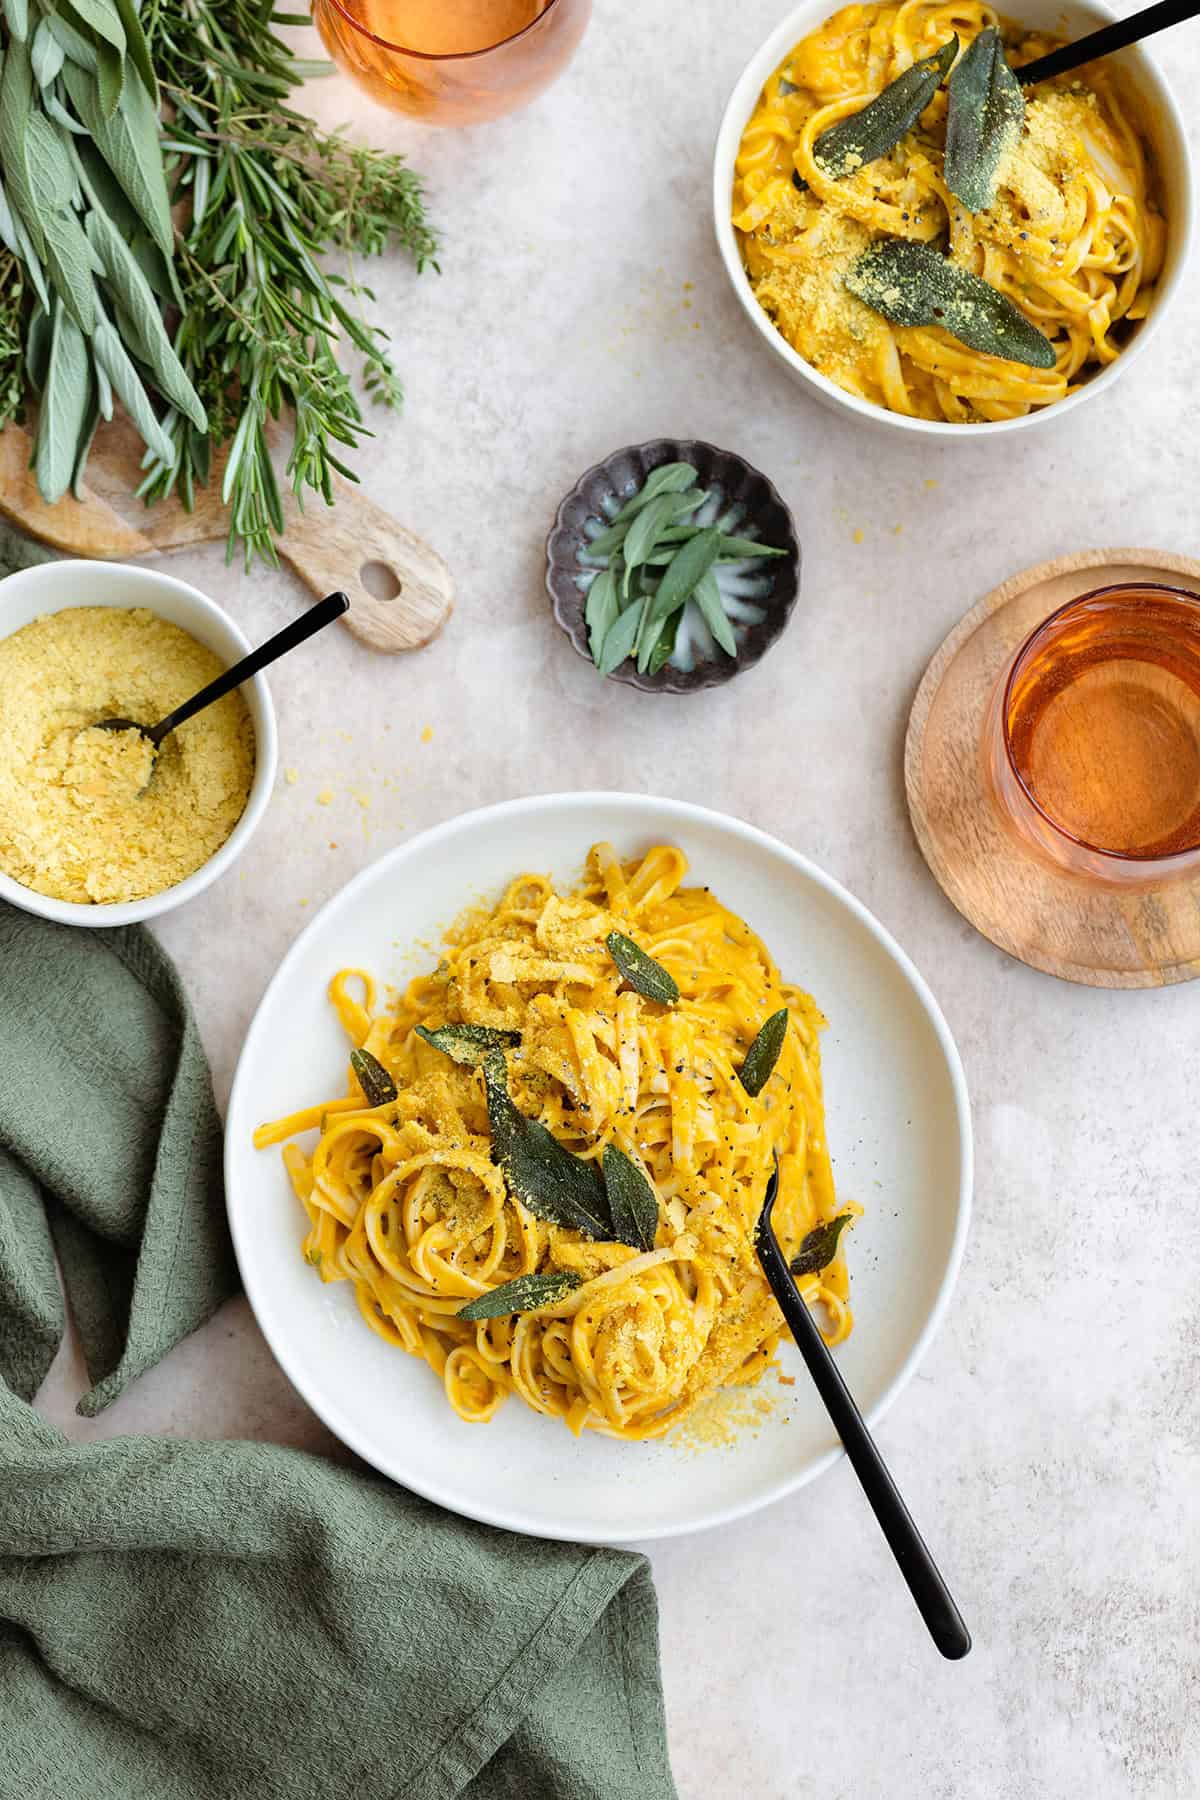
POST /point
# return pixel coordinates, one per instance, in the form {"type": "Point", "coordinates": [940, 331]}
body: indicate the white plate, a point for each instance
{"type": "Point", "coordinates": [899, 1130]}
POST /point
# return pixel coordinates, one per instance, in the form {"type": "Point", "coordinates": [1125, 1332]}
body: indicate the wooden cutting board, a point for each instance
{"type": "Point", "coordinates": [348, 546]}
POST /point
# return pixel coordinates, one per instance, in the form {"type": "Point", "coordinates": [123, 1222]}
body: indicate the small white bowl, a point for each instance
{"type": "Point", "coordinates": [1160, 117]}
{"type": "Point", "coordinates": [59, 586]}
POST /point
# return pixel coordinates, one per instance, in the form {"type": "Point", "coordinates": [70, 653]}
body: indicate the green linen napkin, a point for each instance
{"type": "Point", "coordinates": [238, 1621]}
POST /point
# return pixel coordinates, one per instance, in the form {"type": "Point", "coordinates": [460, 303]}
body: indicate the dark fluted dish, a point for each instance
{"type": "Point", "coordinates": [614, 480]}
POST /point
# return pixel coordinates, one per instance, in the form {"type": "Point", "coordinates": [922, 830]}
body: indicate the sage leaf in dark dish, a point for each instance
{"type": "Point", "coordinates": [864, 136]}
{"type": "Point", "coordinates": [602, 610]}
{"type": "Point", "coordinates": [820, 1246]}
{"type": "Point", "coordinates": [983, 120]}
{"type": "Point", "coordinates": [912, 284]}
{"type": "Point", "coordinates": [621, 637]}
{"type": "Point", "coordinates": [631, 1200]}
{"type": "Point", "coordinates": [643, 974]}
{"type": "Point", "coordinates": [684, 571]}
{"type": "Point", "coordinates": [668, 478]}
{"type": "Point", "coordinates": [643, 533]}
{"type": "Point", "coordinates": [525, 1294]}
{"type": "Point", "coordinates": [763, 1053]}
{"type": "Point", "coordinates": [377, 1085]}
{"type": "Point", "coordinates": [468, 1044]}
{"type": "Point", "coordinates": [707, 596]}
{"type": "Point", "coordinates": [551, 1183]}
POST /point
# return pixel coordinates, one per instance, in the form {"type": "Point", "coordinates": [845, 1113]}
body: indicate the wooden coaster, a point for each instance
{"type": "Point", "coordinates": [1099, 935]}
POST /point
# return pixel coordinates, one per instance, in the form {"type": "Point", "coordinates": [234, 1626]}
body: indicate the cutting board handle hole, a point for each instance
{"type": "Point", "coordinates": [380, 581]}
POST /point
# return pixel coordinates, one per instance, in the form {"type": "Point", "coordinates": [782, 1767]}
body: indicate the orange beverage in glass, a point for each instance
{"type": "Point", "coordinates": [1093, 738]}
{"type": "Point", "coordinates": [452, 62]}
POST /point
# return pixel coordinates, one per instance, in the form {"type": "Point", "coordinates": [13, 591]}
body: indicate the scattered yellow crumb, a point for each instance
{"type": "Point", "coordinates": [897, 529]}
{"type": "Point", "coordinates": [930, 481]}
{"type": "Point", "coordinates": [364, 800]}
{"type": "Point", "coordinates": [689, 287]}
{"type": "Point", "coordinates": [858, 534]}
{"type": "Point", "coordinates": [345, 737]}
{"type": "Point", "coordinates": [302, 902]}
{"type": "Point", "coordinates": [96, 816]}
{"type": "Point", "coordinates": [291, 776]}
{"type": "Point", "coordinates": [333, 843]}
{"type": "Point", "coordinates": [427, 735]}
{"type": "Point", "coordinates": [325, 796]}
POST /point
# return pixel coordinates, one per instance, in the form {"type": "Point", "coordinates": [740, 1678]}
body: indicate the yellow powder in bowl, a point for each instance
{"type": "Point", "coordinates": [96, 816]}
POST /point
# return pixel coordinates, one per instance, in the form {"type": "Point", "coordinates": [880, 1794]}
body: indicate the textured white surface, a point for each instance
{"type": "Point", "coordinates": [1050, 1447]}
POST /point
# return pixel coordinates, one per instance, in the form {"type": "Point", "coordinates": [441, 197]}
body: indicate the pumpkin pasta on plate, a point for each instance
{"type": "Point", "coordinates": [915, 267]}
{"type": "Point", "coordinates": [545, 1175]}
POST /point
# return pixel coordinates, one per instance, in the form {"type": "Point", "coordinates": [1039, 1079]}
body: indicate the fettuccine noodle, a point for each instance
{"type": "Point", "coordinates": [1075, 238]}
{"type": "Point", "coordinates": [405, 1201]}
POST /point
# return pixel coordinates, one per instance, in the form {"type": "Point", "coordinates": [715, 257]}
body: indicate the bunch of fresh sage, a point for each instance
{"type": "Point", "coordinates": [84, 210]}
{"type": "Point", "coordinates": [656, 583]}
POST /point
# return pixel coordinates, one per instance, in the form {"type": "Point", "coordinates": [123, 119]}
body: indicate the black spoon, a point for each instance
{"type": "Point", "coordinates": [1117, 36]}
{"type": "Point", "coordinates": [935, 1603]}
{"type": "Point", "coordinates": [314, 620]}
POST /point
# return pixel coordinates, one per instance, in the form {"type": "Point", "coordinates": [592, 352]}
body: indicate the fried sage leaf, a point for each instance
{"type": "Point", "coordinates": [551, 1183]}
{"type": "Point", "coordinates": [820, 1246]}
{"type": "Point", "coordinates": [878, 128]}
{"type": "Point", "coordinates": [912, 284]}
{"type": "Point", "coordinates": [377, 1085]}
{"type": "Point", "coordinates": [525, 1294]}
{"type": "Point", "coordinates": [631, 1200]}
{"type": "Point", "coordinates": [763, 1053]}
{"type": "Point", "coordinates": [983, 120]}
{"type": "Point", "coordinates": [468, 1044]}
{"type": "Point", "coordinates": [646, 976]}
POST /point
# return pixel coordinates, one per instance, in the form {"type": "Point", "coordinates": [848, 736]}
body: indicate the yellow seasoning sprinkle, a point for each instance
{"type": "Point", "coordinates": [427, 735]}
{"type": "Point", "coordinates": [95, 816]}
{"type": "Point", "coordinates": [325, 797]}
{"type": "Point", "coordinates": [291, 776]}
{"type": "Point", "coordinates": [858, 534]}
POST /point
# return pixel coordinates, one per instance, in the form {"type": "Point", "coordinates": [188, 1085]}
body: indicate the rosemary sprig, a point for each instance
{"type": "Point", "coordinates": [270, 194]}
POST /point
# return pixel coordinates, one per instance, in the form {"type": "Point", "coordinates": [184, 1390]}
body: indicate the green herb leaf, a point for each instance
{"type": "Point", "coordinates": [643, 533]}
{"type": "Point", "coordinates": [149, 334]}
{"type": "Point", "coordinates": [129, 144]}
{"type": "Point", "coordinates": [879, 127]}
{"type": "Point", "coordinates": [707, 596]}
{"type": "Point", "coordinates": [820, 1246]}
{"type": "Point", "coordinates": [16, 15]}
{"type": "Point", "coordinates": [46, 55]}
{"type": "Point", "coordinates": [525, 1294]}
{"type": "Point", "coordinates": [377, 1085]}
{"type": "Point", "coordinates": [112, 360]}
{"type": "Point", "coordinates": [763, 1053]}
{"type": "Point", "coordinates": [91, 419]}
{"type": "Point", "coordinates": [631, 1200]}
{"type": "Point", "coordinates": [551, 1183]}
{"type": "Point", "coordinates": [64, 407]}
{"type": "Point", "coordinates": [668, 478]}
{"type": "Point", "coordinates": [661, 654]}
{"type": "Point", "coordinates": [983, 121]}
{"type": "Point", "coordinates": [468, 1044]}
{"type": "Point", "coordinates": [605, 542]}
{"type": "Point", "coordinates": [911, 284]}
{"type": "Point", "coordinates": [16, 110]}
{"type": "Point", "coordinates": [685, 569]}
{"type": "Point", "coordinates": [602, 610]}
{"type": "Point", "coordinates": [643, 974]}
{"type": "Point", "coordinates": [69, 264]}
{"type": "Point", "coordinates": [98, 16]}
{"type": "Point", "coordinates": [137, 47]}
{"type": "Point", "coordinates": [733, 549]}
{"type": "Point", "coordinates": [74, 44]}
{"type": "Point", "coordinates": [621, 638]}
{"type": "Point", "coordinates": [51, 172]}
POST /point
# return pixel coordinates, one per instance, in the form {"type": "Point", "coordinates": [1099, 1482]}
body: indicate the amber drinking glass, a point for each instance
{"type": "Point", "coordinates": [1092, 744]}
{"type": "Point", "coordinates": [452, 62]}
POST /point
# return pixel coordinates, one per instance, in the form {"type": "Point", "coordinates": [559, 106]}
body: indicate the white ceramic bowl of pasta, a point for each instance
{"type": "Point", "coordinates": [57, 586]}
{"type": "Point", "coordinates": [1163, 124]}
{"type": "Point", "coordinates": [899, 1129]}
